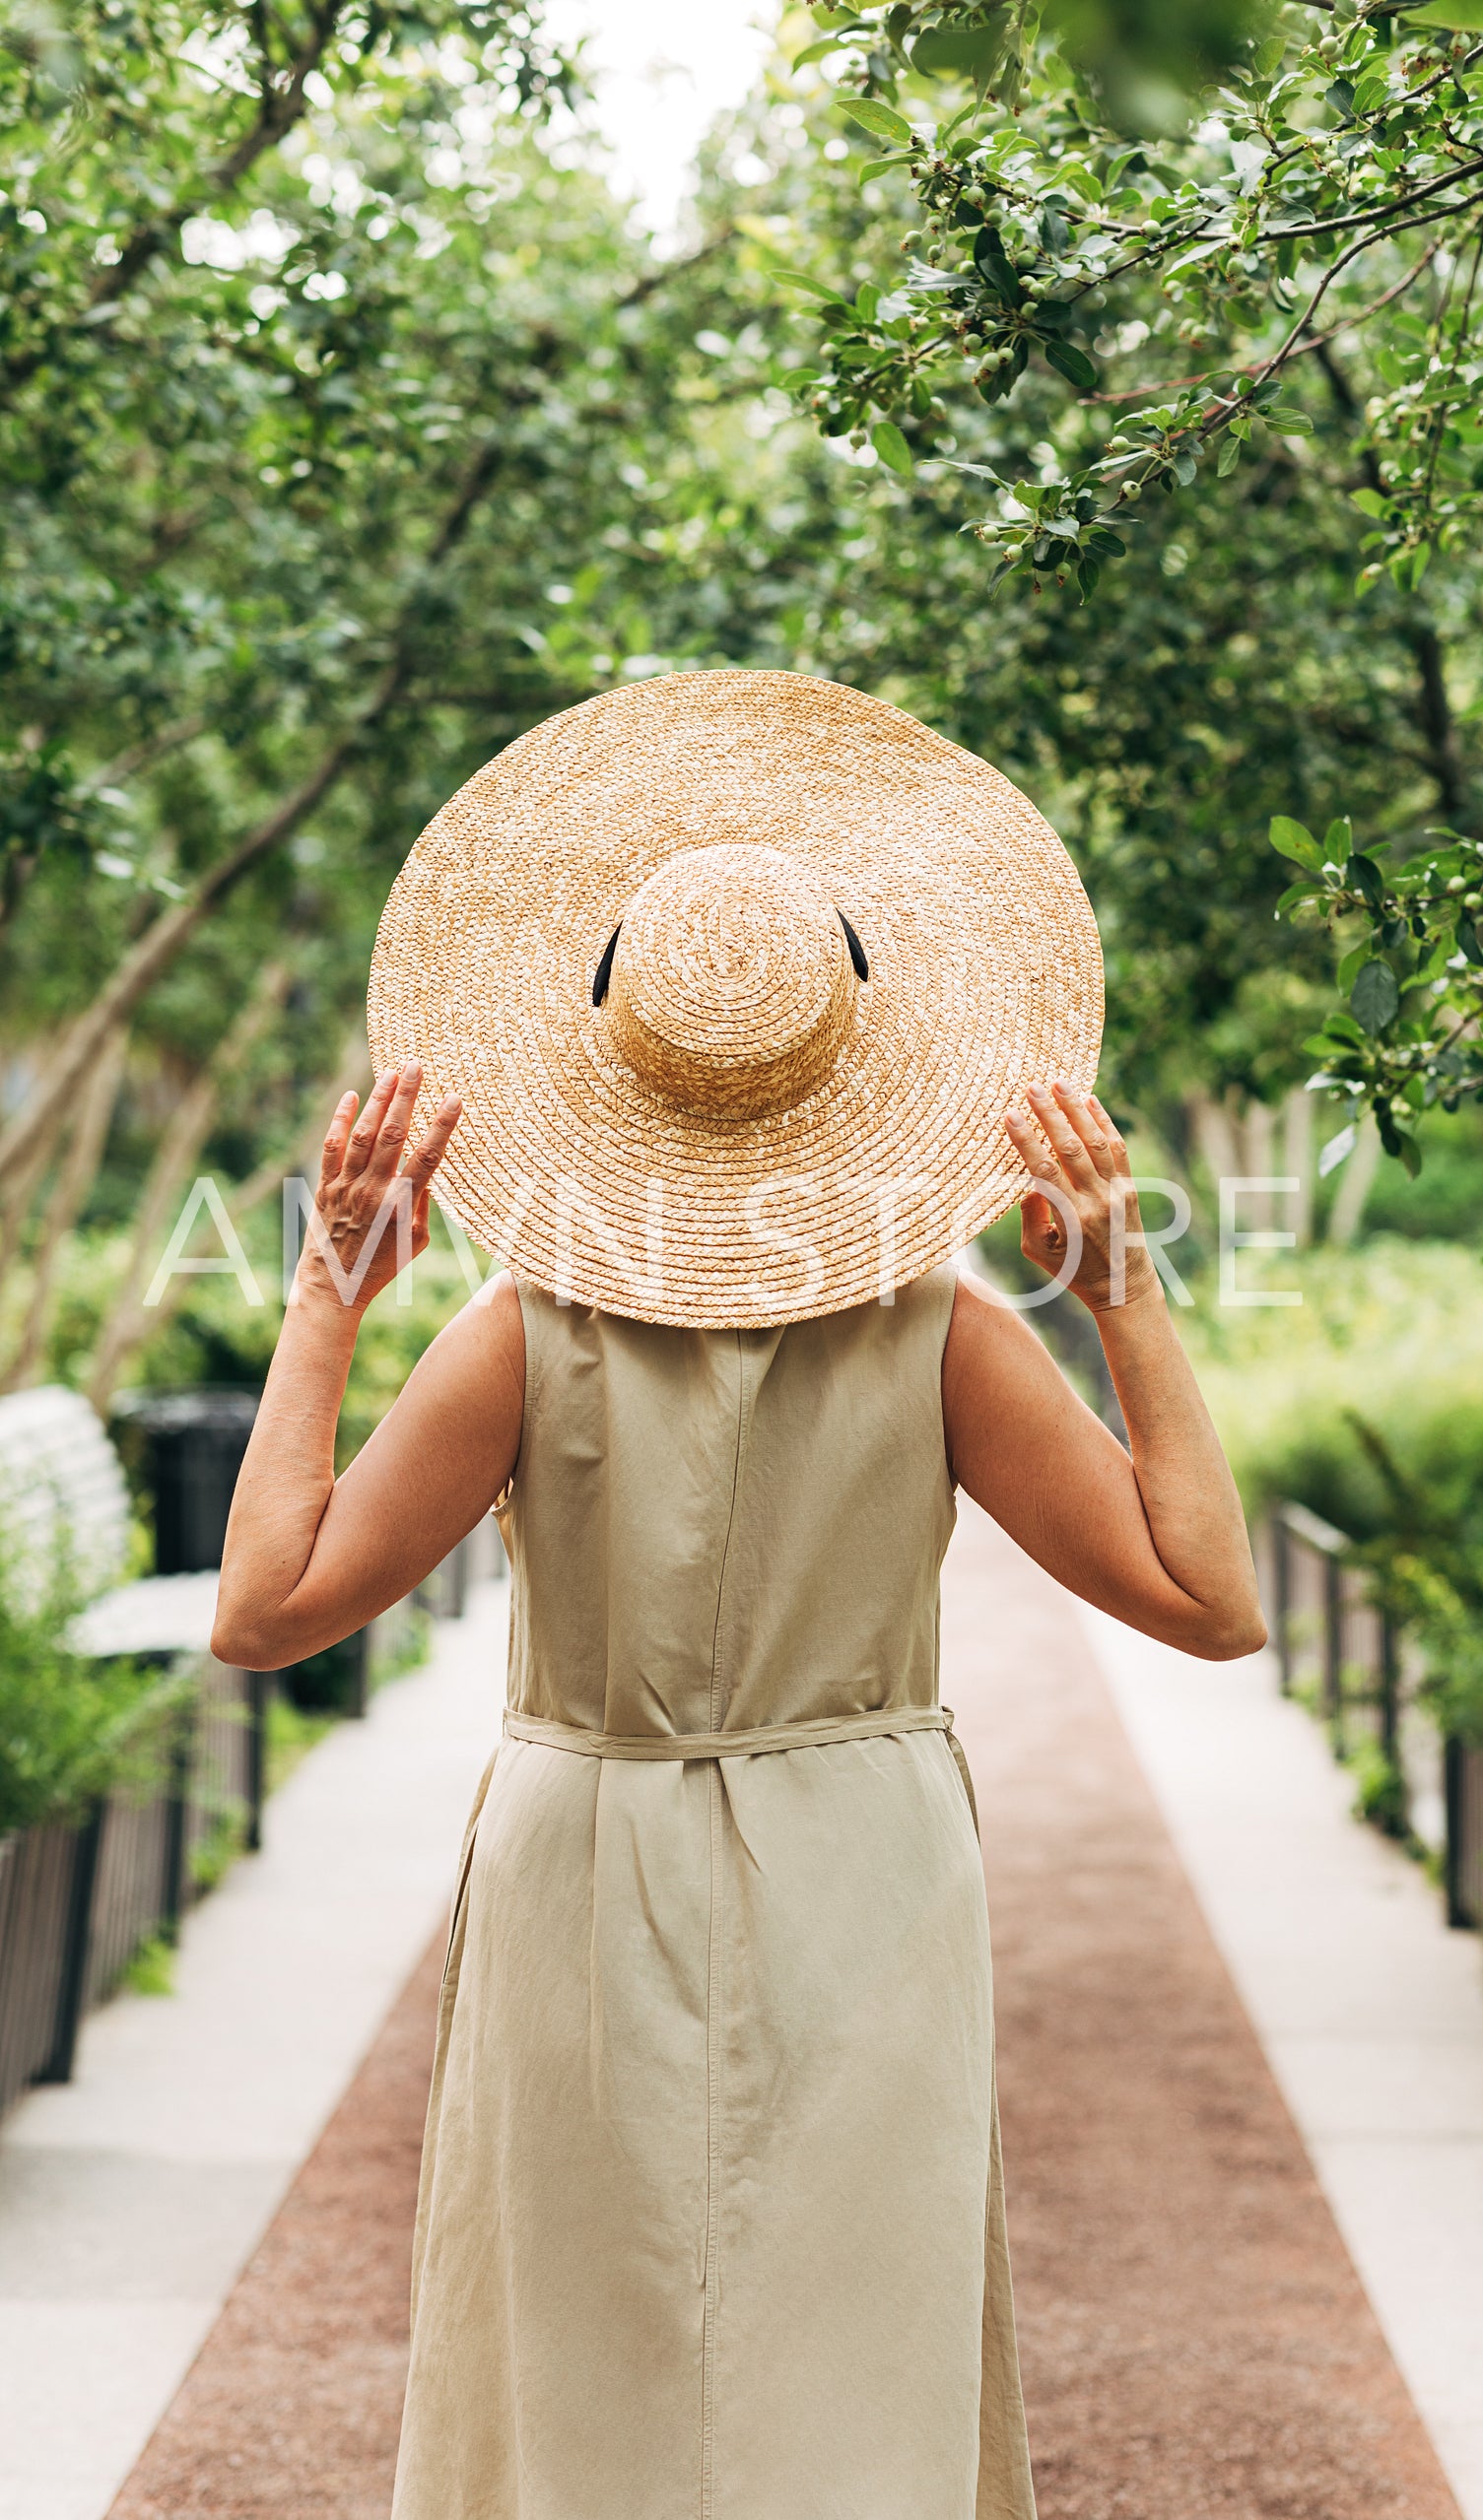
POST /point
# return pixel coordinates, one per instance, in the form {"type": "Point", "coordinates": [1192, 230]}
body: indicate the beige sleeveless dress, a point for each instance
{"type": "Point", "coordinates": [712, 2222]}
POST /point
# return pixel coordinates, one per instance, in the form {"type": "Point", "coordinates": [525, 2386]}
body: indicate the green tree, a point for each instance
{"type": "Point", "coordinates": [302, 524]}
{"type": "Point", "coordinates": [1277, 279]}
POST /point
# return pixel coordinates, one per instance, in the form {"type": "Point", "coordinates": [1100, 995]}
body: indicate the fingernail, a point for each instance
{"type": "Point", "coordinates": [413, 1067]}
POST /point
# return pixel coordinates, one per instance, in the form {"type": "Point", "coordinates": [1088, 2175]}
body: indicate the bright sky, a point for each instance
{"type": "Point", "coordinates": [663, 70]}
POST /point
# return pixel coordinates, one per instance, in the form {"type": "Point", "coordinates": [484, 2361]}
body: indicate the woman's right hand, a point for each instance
{"type": "Point", "coordinates": [368, 1215]}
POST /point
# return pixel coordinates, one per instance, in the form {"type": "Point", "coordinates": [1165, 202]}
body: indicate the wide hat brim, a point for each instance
{"type": "Point", "coordinates": [985, 977]}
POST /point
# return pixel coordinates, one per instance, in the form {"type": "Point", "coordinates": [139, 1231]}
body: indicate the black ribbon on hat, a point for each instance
{"type": "Point", "coordinates": [604, 972]}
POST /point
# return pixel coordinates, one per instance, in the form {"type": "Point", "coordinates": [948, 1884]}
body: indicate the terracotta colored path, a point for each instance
{"type": "Point", "coordinates": [1194, 2339]}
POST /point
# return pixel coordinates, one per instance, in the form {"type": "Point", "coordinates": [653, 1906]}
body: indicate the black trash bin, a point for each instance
{"type": "Point", "coordinates": [184, 1449]}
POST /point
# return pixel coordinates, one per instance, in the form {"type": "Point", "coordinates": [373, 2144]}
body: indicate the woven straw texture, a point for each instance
{"type": "Point", "coordinates": [742, 1133]}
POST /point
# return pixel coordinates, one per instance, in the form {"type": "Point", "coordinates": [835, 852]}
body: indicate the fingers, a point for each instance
{"type": "Point", "coordinates": [336, 1133]}
{"type": "Point", "coordinates": [1077, 1109]}
{"type": "Point", "coordinates": [423, 1162]}
{"type": "Point", "coordinates": [377, 1143]}
{"type": "Point", "coordinates": [391, 1136]}
{"type": "Point", "coordinates": [1072, 1132]}
{"type": "Point", "coordinates": [363, 1139]}
{"type": "Point", "coordinates": [1030, 1148]}
{"type": "Point", "coordinates": [1115, 1144]}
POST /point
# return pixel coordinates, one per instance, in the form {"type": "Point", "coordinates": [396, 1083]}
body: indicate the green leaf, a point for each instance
{"type": "Point", "coordinates": [1374, 997]}
{"type": "Point", "coordinates": [1290, 839]}
{"type": "Point", "coordinates": [1072, 364]}
{"type": "Point", "coordinates": [960, 52]}
{"type": "Point", "coordinates": [883, 167]}
{"type": "Point", "coordinates": [1466, 17]}
{"type": "Point", "coordinates": [1351, 962]}
{"type": "Point", "coordinates": [1288, 420]}
{"type": "Point", "coordinates": [882, 120]}
{"type": "Point", "coordinates": [1410, 1155]}
{"type": "Point", "coordinates": [816, 289]}
{"type": "Point", "coordinates": [1371, 502]}
{"type": "Point", "coordinates": [891, 446]}
{"type": "Point", "coordinates": [996, 267]}
{"type": "Point", "coordinates": [1343, 1027]}
{"type": "Point", "coordinates": [1229, 456]}
{"type": "Point", "coordinates": [867, 300]}
{"type": "Point", "coordinates": [1367, 878]}
{"type": "Point", "coordinates": [817, 51]}
{"type": "Point", "coordinates": [1297, 893]}
{"type": "Point", "coordinates": [1339, 841]}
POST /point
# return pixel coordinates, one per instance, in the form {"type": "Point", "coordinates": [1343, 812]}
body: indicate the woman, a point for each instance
{"type": "Point", "coordinates": [750, 976]}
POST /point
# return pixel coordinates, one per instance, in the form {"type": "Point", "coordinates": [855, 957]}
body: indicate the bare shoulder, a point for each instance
{"type": "Point", "coordinates": [476, 1364]}
{"type": "Point", "coordinates": [1002, 1392]}
{"type": "Point", "coordinates": [490, 1328]}
{"type": "Point", "coordinates": [987, 1337]}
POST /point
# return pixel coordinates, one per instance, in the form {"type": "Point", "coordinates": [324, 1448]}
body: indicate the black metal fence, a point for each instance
{"type": "Point", "coordinates": [1465, 1834]}
{"type": "Point", "coordinates": [76, 1904]}
{"type": "Point", "coordinates": [37, 1891]}
{"type": "Point", "coordinates": [1338, 1652]}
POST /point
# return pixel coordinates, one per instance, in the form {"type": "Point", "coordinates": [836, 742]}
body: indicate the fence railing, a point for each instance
{"type": "Point", "coordinates": [1342, 1654]}
{"type": "Point", "coordinates": [77, 1903]}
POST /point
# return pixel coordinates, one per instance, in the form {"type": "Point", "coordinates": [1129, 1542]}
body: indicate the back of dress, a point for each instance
{"type": "Point", "coordinates": [713, 1530]}
{"type": "Point", "coordinates": [711, 2221]}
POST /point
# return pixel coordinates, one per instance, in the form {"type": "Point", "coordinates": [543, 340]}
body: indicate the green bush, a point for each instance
{"type": "Point", "coordinates": [1365, 1403]}
{"type": "Point", "coordinates": [71, 1727]}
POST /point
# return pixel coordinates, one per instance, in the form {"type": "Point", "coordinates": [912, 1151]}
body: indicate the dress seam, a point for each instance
{"type": "Point", "coordinates": [715, 1793]}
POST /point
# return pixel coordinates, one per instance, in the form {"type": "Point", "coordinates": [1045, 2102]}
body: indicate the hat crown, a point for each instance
{"type": "Point", "coordinates": [732, 991]}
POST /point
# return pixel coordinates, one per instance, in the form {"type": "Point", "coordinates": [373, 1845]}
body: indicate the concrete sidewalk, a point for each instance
{"type": "Point", "coordinates": [131, 2198]}
{"type": "Point", "coordinates": [1370, 2012]}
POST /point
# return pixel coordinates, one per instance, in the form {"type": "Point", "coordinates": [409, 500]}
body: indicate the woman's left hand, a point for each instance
{"type": "Point", "coordinates": [1081, 1170]}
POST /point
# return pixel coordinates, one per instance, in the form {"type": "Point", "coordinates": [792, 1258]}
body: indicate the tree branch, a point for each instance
{"type": "Point", "coordinates": [1434, 712]}
{"type": "Point", "coordinates": [160, 942]}
{"type": "Point", "coordinates": [185, 1133]}
{"type": "Point", "coordinates": [280, 107]}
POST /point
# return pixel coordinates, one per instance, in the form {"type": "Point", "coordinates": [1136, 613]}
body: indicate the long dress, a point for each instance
{"type": "Point", "coordinates": [712, 2222]}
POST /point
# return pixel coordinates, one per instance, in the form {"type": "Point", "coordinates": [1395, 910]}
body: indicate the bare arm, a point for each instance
{"type": "Point", "coordinates": [1158, 1538]}
{"type": "Point", "coordinates": [309, 1558]}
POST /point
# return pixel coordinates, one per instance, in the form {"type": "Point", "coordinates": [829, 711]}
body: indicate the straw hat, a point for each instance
{"type": "Point", "coordinates": [737, 974]}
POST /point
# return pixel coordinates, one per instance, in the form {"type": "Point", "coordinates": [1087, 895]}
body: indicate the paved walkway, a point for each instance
{"type": "Point", "coordinates": [130, 2198]}
{"type": "Point", "coordinates": [1197, 2341]}
{"type": "Point", "coordinates": [1371, 2016]}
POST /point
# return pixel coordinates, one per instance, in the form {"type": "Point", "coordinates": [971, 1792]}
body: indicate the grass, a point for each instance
{"type": "Point", "coordinates": [152, 1970]}
{"type": "Point", "coordinates": [292, 1732]}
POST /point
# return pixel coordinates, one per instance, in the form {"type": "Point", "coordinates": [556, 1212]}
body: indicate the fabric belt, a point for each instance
{"type": "Point", "coordinates": [737, 1745]}
{"type": "Point", "coordinates": [762, 1737]}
